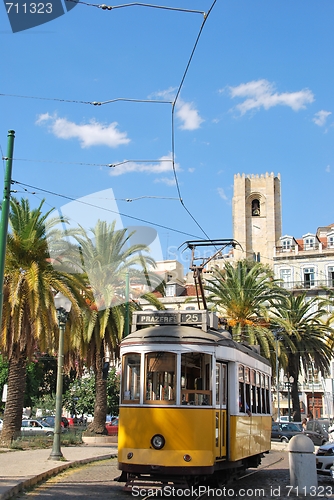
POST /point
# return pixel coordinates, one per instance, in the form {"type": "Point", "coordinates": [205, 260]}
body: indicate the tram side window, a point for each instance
{"type": "Point", "coordinates": [131, 378]}
{"type": "Point", "coordinates": [221, 381]}
{"type": "Point", "coordinates": [264, 400]}
{"type": "Point", "coordinates": [267, 395]}
{"type": "Point", "coordinates": [253, 392]}
{"type": "Point", "coordinates": [258, 392]}
{"type": "Point", "coordinates": [242, 405]}
{"type": "Point", "coordinates": [160, 370]}
{"type": "Point", "coordinates": [247, 390]}
{"type": "Point", "coordinates": [196, 369]}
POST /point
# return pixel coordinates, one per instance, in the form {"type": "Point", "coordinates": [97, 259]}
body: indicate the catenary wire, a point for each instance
{"type": "Point", "coordinates": [137, 4]}
{"type": "Point", "coordinates": [103, 208]}
{"type": "Point", "coordinates": [269, 260]}
{"type": "Point", "coordinates": [152, 101]}
{"type": "Point", "coordinates": [110, 165]}
{"type": "Point", "coordinates": [93, 103]}
{"type": "Point", "coordinates": [173, 118]}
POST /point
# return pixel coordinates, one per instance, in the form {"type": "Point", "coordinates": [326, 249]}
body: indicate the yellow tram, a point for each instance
{"type": "Point", "coordinates": [194, 403]}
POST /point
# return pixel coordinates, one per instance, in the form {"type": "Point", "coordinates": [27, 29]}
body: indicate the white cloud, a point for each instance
{"type": "Point", "coordinates": [43, 118]}
{"type": "Point", "coordinates": [186, 112]}
{"type": "Point", "coordinates": [188, 115]}
{"type": "Point", "coordinates": [164, 165]}
{"type": "Point", "coordinates": [90, 134]}
{"type": "Point", "coordinates": [262, 94]}
{"type": "Point", "coordinates": [166, 180]}
{"type": "Point", "coordinates": [321, 117]}
{"type": "Point", "coordinates": [328, 168]}
{"type": "Point", "coordinates": [222, 194]}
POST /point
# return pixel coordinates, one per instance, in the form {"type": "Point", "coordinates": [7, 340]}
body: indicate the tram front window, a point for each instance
{"type": "Point", "coordinates": [160, 377]}
{"type": "Point", "coordinates": [196, 379]}
{"type": "Point", "coordinates": [131, 378]}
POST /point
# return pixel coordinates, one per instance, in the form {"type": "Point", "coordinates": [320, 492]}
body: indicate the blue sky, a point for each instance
{"type": "Point", "coordinates": [258, 97]}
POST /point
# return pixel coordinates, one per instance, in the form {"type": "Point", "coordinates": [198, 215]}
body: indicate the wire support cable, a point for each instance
{"type": "Point", "coordinates": [173, 114]}
{"type": "Point", "coordinates": [110, 165]}
{"type": "Point", "coordinates": [102, 208]}
{"type": "Point", "coordinates": [138, 4]}
{"type": "Point", "coordinates": [92, 103]}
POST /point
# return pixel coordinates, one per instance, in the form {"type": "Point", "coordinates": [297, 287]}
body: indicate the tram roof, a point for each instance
{"type": "Point", "coordinates": [179, 334]}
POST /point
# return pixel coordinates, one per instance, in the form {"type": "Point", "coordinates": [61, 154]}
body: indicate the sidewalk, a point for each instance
{"type": "Point", "coordinates": [22, 469]}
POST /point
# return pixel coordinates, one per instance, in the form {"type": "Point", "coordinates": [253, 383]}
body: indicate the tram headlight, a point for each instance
{"type": "Point", "coordinates": [158, 441]}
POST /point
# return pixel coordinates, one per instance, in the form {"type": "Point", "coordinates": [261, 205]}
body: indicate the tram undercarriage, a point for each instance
{"type": "Point", "coordinates": [152, 477]}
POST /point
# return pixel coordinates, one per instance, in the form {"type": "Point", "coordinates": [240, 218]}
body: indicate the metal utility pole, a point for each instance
{"type": "Point", "coordinates": [5, 211]}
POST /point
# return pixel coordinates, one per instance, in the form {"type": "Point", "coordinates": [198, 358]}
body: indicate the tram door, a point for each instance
{"type": "Point", "coordinates": [221, 410]}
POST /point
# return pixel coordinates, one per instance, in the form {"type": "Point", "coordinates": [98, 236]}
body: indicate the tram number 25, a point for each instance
{"type": "Point", "coordinates": [191, 318]}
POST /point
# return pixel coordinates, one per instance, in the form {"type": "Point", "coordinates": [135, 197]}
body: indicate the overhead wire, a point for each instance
{"type": "Point", "coordinates": [101, 208]}
{"type": "Point", "coordinates": [110, 165]}
{"type": "Point", "coordinates": [173, 103]}
{"type": "Point", "coordinates": [173, 117]}
{"type": "Point", "coordinates": [137, 4]}
{"type": "Point", "coordinates": [93, 103]}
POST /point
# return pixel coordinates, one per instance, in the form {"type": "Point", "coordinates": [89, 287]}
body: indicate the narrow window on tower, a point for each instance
{"type": "Point", "coordinates": [255, 208]}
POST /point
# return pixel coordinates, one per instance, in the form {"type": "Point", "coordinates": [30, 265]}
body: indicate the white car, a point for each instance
{"type": "Point", "coordinates": [36, 428]}
{"type": "Point", "coordinates": [1, 423]}
{"type": "Point", "coordinates": [325, 459]}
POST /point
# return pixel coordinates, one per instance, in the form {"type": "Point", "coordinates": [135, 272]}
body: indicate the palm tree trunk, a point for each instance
{"type": "Point", "coordinates": [15, 399]}
{"type": "Point", "coordinates": [294, 372]}
{"type": "Point", "coordinates": [100, 408]}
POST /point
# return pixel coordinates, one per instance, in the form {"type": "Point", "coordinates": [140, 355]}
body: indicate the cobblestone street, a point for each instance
{"type": "Point", "coordinates": [270, 481]}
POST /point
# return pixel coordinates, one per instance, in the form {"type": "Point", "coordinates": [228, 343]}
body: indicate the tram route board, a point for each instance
{"type": "Point", "coordinates": [142, 318]}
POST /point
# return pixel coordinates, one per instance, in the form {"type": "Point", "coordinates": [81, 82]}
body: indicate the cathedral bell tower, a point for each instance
{"type": "Point", "coordinates": [257, 216]}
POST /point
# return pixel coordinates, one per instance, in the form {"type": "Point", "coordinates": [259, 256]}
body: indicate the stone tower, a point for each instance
{"type": "Point", "coordinates": [257, 217]}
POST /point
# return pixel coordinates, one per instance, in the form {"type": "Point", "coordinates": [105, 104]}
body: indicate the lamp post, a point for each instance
{"type": "Point", "coordinates": [277, 338]}
{"type": "Point", "coordinates": [63, 307]}
{"type": "Point", "coordinates": [288, 382]}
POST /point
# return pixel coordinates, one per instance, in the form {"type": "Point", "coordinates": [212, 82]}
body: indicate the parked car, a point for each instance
{"type": "Point", "coordinates": [284, 431]}
{"type": "Point", "coordinates": [325, 459]}
{"type": "Point", "coordinates": [50, 419]}
{"type": "Point", "coordinates": [36, 428]}
{"type": "Point", "coordinates": [1, 423]}
{"type": "Point", "coordinates": [73, 421]}
{"type": "Point", "coordinates": [112, 427]}
{"type": "Point", "coordinates": [317, 431]}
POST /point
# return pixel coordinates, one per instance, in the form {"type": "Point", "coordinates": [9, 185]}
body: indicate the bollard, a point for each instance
{"type": "Point", "coordinates": [302, 464]}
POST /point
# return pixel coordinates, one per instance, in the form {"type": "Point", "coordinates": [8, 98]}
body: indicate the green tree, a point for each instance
{"type": "Point", "coordinates": [243, 294]}
{"type": "Point", "coordinates": [80, 396]}
{"type": "Point", "coordinates": [29, 320]}
{"type": "Point", "coordinates": [306, 341]}
{"type": "Point", "coordinates": [108, 259]}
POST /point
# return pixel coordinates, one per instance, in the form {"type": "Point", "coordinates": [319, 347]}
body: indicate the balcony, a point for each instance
{"type": "Point", "coordinates": [304, 249]}
{"type": "Point", "coordinates": [307, 285]}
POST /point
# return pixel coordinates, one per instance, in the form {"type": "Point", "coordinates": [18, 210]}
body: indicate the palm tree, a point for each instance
{"type": "Point", "coordinates": [306, 341]}
{"type": "Point", "coordinates": [243, 294]}
{"type": "Point", "coordinates": [29, 320]}
{"type": "Point", "coordinates": [107, 258]}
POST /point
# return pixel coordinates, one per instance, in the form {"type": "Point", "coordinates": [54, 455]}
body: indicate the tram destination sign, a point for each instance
{"type": "Point", "coordinates": [171, 318]}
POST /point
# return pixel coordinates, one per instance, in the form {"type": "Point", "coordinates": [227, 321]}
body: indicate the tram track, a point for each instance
{"type": "Point", "coordinates": [205, 494]}
{"type": "Point", "coordinates": [259, 469]}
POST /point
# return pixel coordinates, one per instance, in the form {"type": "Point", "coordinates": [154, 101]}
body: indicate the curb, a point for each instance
{"type": "Point", "coordinates": [27, 483]}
